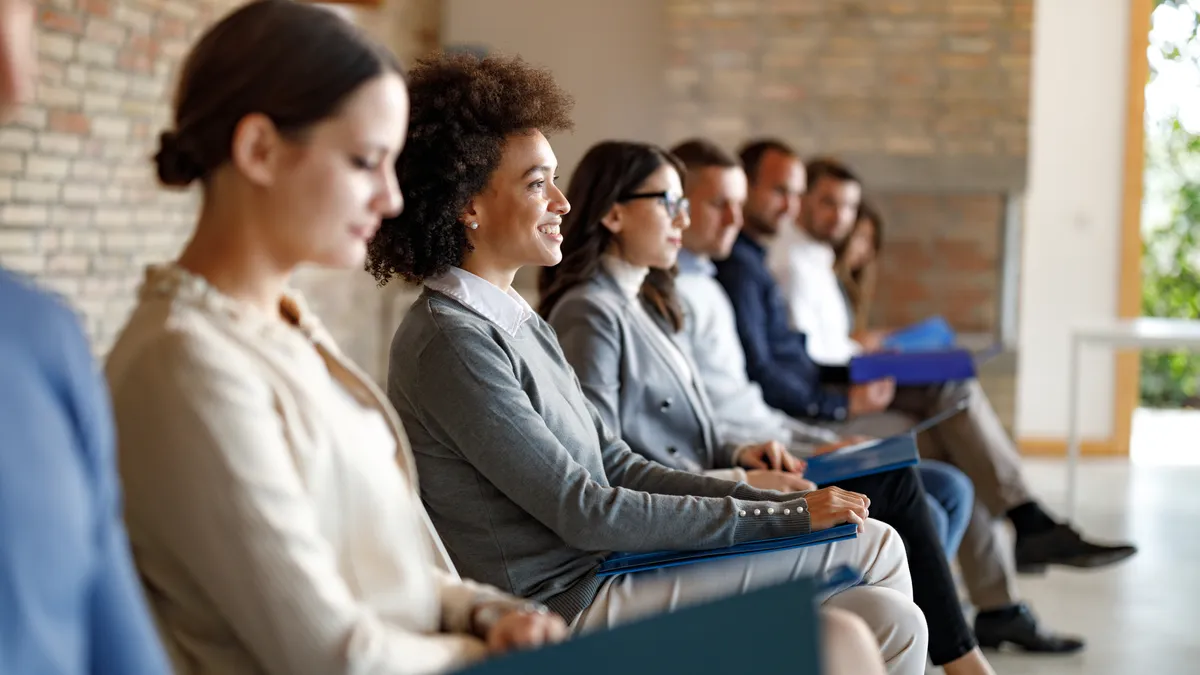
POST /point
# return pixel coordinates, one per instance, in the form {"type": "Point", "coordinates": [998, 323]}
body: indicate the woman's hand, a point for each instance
{"type": "Point", "coordinates": [771, 456]}
{"type": "Point", "coordinates": [765, 479]}
{"type": "Point", "coordinates": [833, 506]}
{"type": "Point", "coordinates": [520, 629]}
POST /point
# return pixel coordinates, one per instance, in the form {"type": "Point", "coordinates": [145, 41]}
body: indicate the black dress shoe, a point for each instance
{"type": "Point", "coordinates": [1018, 627]}
{"type": "Point", "coordinates": [1063, 546]}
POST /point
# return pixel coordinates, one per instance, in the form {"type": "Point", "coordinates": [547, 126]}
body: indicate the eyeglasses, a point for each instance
{"type": "Point", "coordinates": [674, 205]}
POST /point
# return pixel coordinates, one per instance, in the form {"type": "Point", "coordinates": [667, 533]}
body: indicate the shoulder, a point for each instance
{"type": "Point", "coordinates": [168, 346]}
{"type": "Point", "coordinates": [588, 303]}
{"type": "Point", "coordinates": [34, 311]}
{"type": "Point", "coordinates": [438, 330]}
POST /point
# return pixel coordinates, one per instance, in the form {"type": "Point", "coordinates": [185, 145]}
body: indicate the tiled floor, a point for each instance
{"type": "Point", "coordinates": [1142, 617]}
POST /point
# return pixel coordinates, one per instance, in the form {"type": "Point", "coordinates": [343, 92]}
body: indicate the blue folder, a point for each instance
{"type": "Point", "coordinates": [932, 334]}
{"type": "Point", "coordinates": [878, 455]}
{"type": "Point", "coordinates": [914, 368]}
{"type": "Point", "coordinates": [695, 640]}
{"type": "Point", "coordinates": [863, 459]}
{"type": "Point", "coordinates": [627, 563]}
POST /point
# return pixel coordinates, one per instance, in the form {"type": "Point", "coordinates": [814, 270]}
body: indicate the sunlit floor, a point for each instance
{"type": "Point", "coordinates": [1142, 617]}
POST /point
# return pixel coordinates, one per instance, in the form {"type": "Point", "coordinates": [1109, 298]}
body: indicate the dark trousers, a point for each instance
{"type": "Point", "coordinates": [898, 499]}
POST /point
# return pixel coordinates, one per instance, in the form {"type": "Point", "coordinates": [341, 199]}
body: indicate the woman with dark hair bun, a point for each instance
{"type": "Point", "coordinates": [271, 495]}
{"type": "Point", "coordinates": [527, 486]}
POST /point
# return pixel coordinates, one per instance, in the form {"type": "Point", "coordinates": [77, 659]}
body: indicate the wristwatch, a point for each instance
{"type": "Point", "coordinates": [485, 617]}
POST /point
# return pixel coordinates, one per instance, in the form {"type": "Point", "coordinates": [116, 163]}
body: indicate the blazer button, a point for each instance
{"type": "Point", "coordinates": [672, 451]}
{"type": "Point", "coordinates": [665, 405]}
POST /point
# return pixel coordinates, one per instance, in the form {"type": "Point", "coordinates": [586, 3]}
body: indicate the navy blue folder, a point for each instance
{"type": "Point", "coordinates": [863, 459]}
{"type": "Point", "coordinates": [695, 640]}
{"type": "Point", "coordinates": [626, 563]}
{"type": "Point", "coordinates": [878, 455]}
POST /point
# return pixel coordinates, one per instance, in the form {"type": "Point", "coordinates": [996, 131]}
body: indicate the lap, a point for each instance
{"type": "Point", "coordinates": [632, 596]}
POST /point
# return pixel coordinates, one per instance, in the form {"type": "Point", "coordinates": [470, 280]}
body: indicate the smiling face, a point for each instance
{"type": "Point", "coordinates": [519, 212]}
{"type": "Point", "coordinates": [648, 230]}
{"type": "Point", "coordinates": [829, 208]}
{"type": "Point", "coordinates": [329, 190]}
{"type": "Point", "coordinates": [775, 191]}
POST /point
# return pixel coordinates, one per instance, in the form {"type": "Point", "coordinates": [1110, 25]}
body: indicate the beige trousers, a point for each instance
{"type": "Point", "coordinates": [884, 601]}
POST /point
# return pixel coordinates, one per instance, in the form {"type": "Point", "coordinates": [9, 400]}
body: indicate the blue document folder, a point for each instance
{"type": "Point", "coordinates": [914, 368]}
{"type": "Point", "coordinates": [877, 455]}
{"type": "Point", "coordinates": [694, 640]}
{"type": "Point", "coordinates": [864, 459]}
{"type": "Point", "coordinates": [932, 334]}
{"type": "Point", "coordinates": [627, 563]}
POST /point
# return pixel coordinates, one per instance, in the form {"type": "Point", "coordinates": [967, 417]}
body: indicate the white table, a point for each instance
{"type": "Point", "coordinates": [1142, 333]}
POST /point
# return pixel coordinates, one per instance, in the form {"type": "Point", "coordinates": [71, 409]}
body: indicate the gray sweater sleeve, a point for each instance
{"type": "Point", "coordinates": [472, 401]}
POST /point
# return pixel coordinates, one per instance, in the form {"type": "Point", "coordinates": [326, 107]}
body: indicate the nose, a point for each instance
{"type": "Point", "coordinates": [392, 197]}
{"type": "Point", "coordinates": [683, 219]}
{"type": "Point", "coordinates": [558, 201]}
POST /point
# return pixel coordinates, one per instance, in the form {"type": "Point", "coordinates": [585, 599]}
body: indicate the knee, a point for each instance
{"type": "Point", "coordinates": [847, 645]}
{"type": "Point", "coordinates": [895, 620]}
{"type": "Point", "coordinates": [883, 540]}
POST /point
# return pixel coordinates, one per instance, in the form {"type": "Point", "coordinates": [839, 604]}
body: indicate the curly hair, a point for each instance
{"type": "Point", "coordinates": [463, 109]}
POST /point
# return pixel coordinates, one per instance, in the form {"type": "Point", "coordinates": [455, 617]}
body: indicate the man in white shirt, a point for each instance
{"type": "Point", "coordinates": [802, 260]}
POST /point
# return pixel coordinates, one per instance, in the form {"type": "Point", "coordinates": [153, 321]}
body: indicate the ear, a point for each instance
{"type": "Point", "coordinates": [612, 220]}
{"type": "Point", "coordinates": [257, 149]}
{"type": "Point", "coordinates": [470, 214]}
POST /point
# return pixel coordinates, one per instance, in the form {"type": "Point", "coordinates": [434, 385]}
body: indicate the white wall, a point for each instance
{"type": "Point", "coordinates": [609, 54]}
{"type": "Point", "coordinates": [1072, 229]}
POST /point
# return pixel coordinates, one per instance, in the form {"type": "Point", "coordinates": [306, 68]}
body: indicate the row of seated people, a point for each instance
{"type": "Point", "coordinates": [272, 497]}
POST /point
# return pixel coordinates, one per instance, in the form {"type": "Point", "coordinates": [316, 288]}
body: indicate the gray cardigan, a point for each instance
{"type": "Point", "coordinates": [525, 484]}
{"type": "Point", "coordinates": [625, 373]}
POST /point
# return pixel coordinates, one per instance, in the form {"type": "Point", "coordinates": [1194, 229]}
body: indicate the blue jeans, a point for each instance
{"type": "Point", "coordinates": [950, 496]}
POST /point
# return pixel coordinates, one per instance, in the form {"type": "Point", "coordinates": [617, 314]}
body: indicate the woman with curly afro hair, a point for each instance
{"type": "Point", "coordinates": [526, 485]}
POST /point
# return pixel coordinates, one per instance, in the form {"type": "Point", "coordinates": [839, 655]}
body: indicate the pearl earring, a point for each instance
{"type": "Point", "coordinates": [474, 226]}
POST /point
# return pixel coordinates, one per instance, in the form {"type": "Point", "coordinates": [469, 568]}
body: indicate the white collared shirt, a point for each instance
{"type": "Point", "coordinates": [506, 309]}
{"type": "Point", "coordinates": [803, 267]}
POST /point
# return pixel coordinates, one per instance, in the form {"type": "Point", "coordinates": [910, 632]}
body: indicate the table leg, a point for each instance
{"type": "Point", "coordinates": [1073, 426]}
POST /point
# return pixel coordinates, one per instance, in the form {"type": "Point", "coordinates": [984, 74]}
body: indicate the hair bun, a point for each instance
{"type": "Point", "coordinates": [177, 166]}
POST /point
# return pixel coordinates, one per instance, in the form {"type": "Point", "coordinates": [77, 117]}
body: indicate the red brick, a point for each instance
{"type": "Point", "coordinates": [146, 45]}
{"type": "Point", "coordinates": [96, 7]}
{"type": "Point", "coordinates": [134, 61]}
{"type": "Point", "coordinates": [964, 61]}
{"type": "Point", "coordinates": [69, 122]}
{"type": "Point", "coordinates": [169, 27]}
{"type": "Point", "coordinates": [64, 22]}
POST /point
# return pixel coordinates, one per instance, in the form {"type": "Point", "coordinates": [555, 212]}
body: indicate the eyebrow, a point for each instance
{"type": "Point", "coordinates": [537, 169]}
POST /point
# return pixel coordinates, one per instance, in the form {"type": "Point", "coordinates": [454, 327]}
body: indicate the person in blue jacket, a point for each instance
{"type": "Point", "coordinates": [70, 601]}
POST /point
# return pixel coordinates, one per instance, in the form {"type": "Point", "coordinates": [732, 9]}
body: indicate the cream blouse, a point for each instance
{"type": "Point", "coordinates": [270, 496]}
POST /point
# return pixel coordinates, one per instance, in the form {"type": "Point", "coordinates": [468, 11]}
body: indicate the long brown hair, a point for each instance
{"type": "Point", "coordinates": [607, 172]}
{"type": "Point", "coordinates": [860, 283]}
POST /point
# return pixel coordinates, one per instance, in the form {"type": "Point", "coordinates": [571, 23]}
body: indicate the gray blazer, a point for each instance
{"type": "Point", "coordinates": [627, 376]}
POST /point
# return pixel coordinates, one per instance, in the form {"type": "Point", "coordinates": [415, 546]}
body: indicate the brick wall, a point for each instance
{"type": "Point", "coordinates": [905, 78]}
{"type": "Point", "coordinates": [927, 99]}
{"type": "Point", "coordinates": [940, 256]}
{"type": "Point", "coordinates": [79, 206]}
